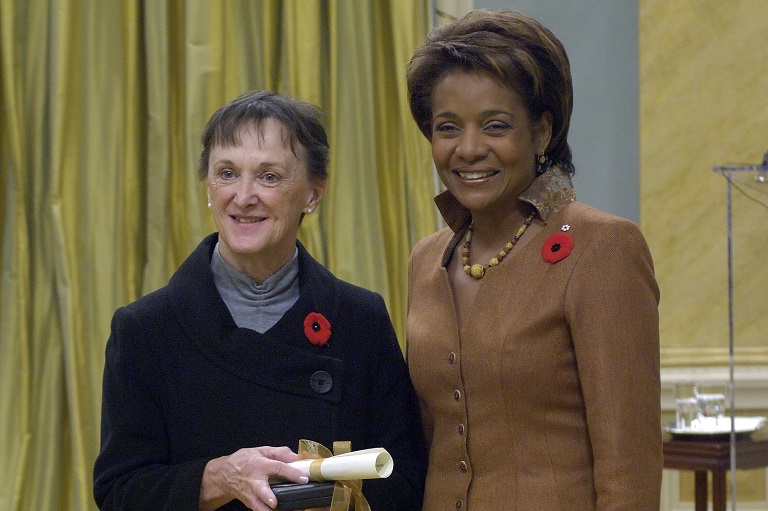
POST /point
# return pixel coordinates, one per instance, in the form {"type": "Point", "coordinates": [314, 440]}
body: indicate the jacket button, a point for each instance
{"type": "Point", "coordinates": [461, 429]}
{"type": "Point", "coordinates": [463, 466]}
{"type": "Point", "coordinates": [321, 382]}
{"type": "Point", "coordinates": [452, 358]}
{"type": "Point", "coordinates": [459, 504]}
{"type": "Point", "coordinates": [457, 394]}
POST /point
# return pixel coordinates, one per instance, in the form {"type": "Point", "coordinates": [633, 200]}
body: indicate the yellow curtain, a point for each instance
{"type": "Point", "coordinates": [101, 108]}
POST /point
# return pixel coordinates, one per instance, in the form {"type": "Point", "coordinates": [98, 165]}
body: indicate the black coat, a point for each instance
{"type": "Point", "coordinates": [183, 384]}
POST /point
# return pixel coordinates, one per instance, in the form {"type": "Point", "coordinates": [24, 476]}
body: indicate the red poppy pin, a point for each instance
{"type": "Point", "coordinates": [317, 328]}
{"type": "Point", "coordinates": [557, 246]}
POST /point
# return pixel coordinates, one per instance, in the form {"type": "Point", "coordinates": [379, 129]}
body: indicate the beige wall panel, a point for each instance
{"type": "Point", "coordinates": [704, 102]}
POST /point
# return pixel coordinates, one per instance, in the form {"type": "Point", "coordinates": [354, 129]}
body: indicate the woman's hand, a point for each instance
{"type": "Point", "coordinates": [245, 476]}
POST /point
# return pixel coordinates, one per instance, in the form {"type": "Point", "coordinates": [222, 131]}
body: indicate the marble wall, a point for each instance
{"type": "Point", "coordinates": [703, 103]}
{"type": "Point", "coordinates": [703, 71]}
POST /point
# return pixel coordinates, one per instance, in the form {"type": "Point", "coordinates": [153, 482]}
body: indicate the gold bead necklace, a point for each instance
{"type": "Point", "coordinates": [477, 271]}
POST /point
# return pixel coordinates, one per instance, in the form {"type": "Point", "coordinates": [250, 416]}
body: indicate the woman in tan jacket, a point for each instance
{"type": "Point", "coordinates": [532, 332]}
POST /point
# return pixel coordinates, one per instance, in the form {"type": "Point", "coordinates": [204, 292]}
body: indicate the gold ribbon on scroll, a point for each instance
{"type": "Point", "coordinates": [345, 493]}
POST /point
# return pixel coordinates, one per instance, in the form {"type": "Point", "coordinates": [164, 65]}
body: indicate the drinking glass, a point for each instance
{"type": "Point", "coordinates": [686, 412]}
{"type": "Point", "coordinates": [686, 409]}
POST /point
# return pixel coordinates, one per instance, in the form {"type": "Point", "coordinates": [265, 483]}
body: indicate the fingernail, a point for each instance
{"type": "Point", "coordinates": [303, 479]}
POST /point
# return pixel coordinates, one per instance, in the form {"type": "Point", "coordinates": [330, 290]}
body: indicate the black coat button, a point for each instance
{"type": "Point", "coordinates": [321, 382]}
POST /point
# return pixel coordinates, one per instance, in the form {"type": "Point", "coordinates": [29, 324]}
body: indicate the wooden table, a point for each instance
{"type": "Point", "coordinates": [702, 455]}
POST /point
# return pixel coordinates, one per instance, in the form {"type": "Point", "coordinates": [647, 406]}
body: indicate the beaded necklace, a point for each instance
{"type": "Point", "coordinates": [477, 271]}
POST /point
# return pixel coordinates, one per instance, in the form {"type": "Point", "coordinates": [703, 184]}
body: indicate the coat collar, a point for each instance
{"type": "Point", "coordinates": [547, 194]}
{"type": "Point", "coordinates": [274, 358]}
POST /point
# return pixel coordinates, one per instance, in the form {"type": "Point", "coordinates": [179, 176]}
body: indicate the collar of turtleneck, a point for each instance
{"type": "Point", "coordinates": [252, 305]}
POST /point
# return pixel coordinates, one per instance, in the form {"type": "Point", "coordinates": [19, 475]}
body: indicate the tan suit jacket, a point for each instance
{"type": "Point", "coordinates": [548, 398]}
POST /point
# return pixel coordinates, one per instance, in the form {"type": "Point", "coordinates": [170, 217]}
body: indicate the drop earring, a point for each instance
{"type": "Point", "coordinates": [542, 163]}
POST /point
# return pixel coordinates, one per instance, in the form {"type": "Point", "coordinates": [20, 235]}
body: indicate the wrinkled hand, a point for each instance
{"type": "Point", "coordinates": [245, 474]}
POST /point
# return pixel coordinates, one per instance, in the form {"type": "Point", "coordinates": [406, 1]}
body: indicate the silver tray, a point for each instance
{"type": "Point", "coordinates": [741, 425]}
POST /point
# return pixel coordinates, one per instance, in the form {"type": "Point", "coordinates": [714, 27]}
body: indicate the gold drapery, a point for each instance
{"type": "Point", "coordinates": [101, 109]}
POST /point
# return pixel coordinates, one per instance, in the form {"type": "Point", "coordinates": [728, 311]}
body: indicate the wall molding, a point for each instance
{"type": "Point", "coordinates": [708, 356]}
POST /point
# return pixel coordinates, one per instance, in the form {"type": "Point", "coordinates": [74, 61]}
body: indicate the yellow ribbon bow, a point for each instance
{"type": "Point", "coordinates": [345, 493]}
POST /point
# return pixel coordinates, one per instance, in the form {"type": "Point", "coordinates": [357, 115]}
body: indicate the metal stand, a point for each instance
{"type": "Point", "coordinates": [760, 174]}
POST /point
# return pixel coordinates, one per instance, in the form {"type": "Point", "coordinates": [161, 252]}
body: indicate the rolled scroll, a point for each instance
{"type": "Point", "coordinates": [373, 463]}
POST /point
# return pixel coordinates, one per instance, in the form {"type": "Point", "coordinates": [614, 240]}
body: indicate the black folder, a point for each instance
{"type": "Point", "coordinates": [291, 496]}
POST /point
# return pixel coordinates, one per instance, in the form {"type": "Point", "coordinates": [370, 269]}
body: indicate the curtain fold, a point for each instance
{"type": "Point", "coordinates": [101, 109]}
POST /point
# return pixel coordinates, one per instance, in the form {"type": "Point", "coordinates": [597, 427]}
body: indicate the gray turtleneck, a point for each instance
{"type": "Point", "coordinates": [252, 305]}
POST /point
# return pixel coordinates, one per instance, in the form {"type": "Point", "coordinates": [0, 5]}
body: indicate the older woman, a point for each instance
{"type": "Point", "coordinates": [211, 381]}
{"type": "Point", "coordinates": [532, 329]}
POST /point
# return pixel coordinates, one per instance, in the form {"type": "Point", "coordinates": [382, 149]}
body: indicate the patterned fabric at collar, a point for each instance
{"type": "Point", "coordinates": [548, 194]}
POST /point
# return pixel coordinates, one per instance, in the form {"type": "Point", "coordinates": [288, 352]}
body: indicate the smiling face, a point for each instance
{"type": "Point", "coordinates": [258, 189]}
{"type": "Point", "coordinates": [484, 143]}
